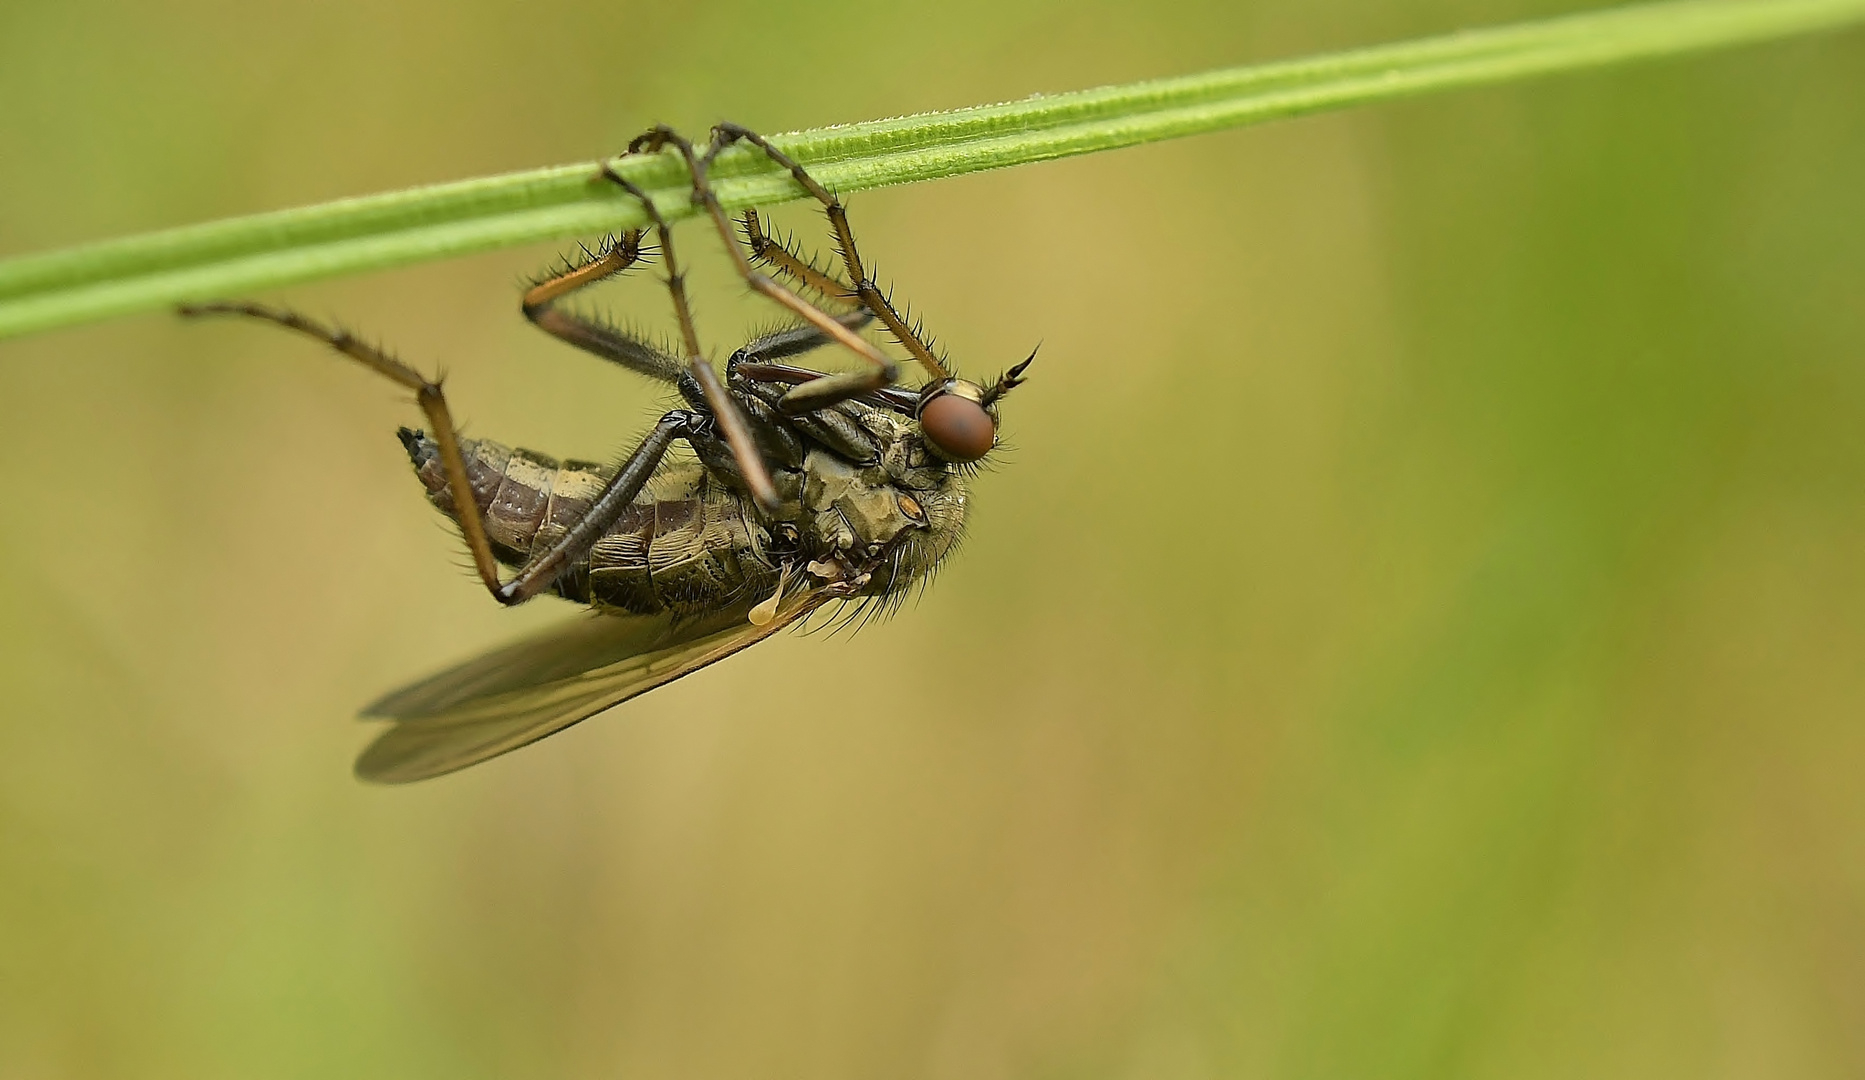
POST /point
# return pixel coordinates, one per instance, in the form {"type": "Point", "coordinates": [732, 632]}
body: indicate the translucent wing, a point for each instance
{"type": "Point", "coordinates": [540, 685]}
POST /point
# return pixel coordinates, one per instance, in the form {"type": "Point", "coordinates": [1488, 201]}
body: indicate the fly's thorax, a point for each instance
{"type": "Point", "coordinates": [901, 511]}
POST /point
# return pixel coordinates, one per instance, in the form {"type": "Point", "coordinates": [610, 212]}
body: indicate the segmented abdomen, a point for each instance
{"type": "Point", "coordinates": [684, 545]}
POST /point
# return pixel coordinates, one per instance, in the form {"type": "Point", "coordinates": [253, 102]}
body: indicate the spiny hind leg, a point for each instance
{"type": "Point", "coordinates": [732, 425]}
{"type": "Point", "coordinates": [859, 285]}
{"type": "Point", "coordinates": [428, 395]}
{"type": "Point", "coordinates": [616, 255]}
{"type": "Point", "coordinates": [881, 371]}
{"type": "Point", "coordinates": [581, 535]}
{"type": "Point", "coordinates": [786, 260]}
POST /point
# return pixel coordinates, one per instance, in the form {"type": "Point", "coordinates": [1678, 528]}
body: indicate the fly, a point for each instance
{"type": "Point", "coordinates": [807, 489]}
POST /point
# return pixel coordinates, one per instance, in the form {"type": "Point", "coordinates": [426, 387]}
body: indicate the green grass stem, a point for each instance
{"type": "Point", "coordinates": [238, 256]}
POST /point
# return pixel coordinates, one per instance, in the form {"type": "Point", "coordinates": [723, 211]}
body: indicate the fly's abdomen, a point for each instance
{"type": "Point", "coordinates": [683, 546]}
{"type": "Point", "coordinates": [526, 499]}
{"type": "Point", "coordinates": [685, 554]}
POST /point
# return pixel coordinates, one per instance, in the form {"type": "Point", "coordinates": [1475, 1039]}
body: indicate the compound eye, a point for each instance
{"type": "Point", "coordinates": [958, 428]}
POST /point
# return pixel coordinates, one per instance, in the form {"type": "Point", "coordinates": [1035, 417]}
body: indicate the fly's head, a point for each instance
{"type": "Point", "coordinates": [958, 417]}
{"type": "Point", "coordinates": [898, 517]}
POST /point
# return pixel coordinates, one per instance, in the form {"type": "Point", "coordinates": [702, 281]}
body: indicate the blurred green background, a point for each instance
{"type": "Point", "coordinates": [1417, 630]}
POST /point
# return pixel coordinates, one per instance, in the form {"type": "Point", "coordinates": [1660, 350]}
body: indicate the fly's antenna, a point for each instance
{"type": "Point", "coordinates": [1009, 380]}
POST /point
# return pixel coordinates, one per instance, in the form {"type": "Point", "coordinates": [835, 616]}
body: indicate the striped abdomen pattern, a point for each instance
{"type": "Point", "coordinates": [685, 545]}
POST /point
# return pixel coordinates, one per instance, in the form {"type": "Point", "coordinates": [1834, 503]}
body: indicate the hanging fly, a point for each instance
{"type": "Point", "coordinates": [806, 488]}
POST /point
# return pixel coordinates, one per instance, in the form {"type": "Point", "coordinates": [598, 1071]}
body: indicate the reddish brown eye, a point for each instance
{"type": "Point", "coordinates": [958, 428]}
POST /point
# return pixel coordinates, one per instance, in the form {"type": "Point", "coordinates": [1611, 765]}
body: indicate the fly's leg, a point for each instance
{"type": "Point", "coordinates": [882, 371]}
{"type": "Point", "coordinates": [790, 341]}
{"type": "Point", "coordinates": [615, 256]}
{"type": "Point", "coordinates": [791, 263]}
{"type": "Point", "coordinates": [861, 287]}
{"type": "Point", "coordinates": [731, 422]}
{"type": "Point", "coordinates": [427, 393]}
{"type": "Point", "coordinates": [545, 566]}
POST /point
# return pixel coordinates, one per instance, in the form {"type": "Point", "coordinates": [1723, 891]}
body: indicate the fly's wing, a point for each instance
{"type": "Point", "coordinates": [538, 686]}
